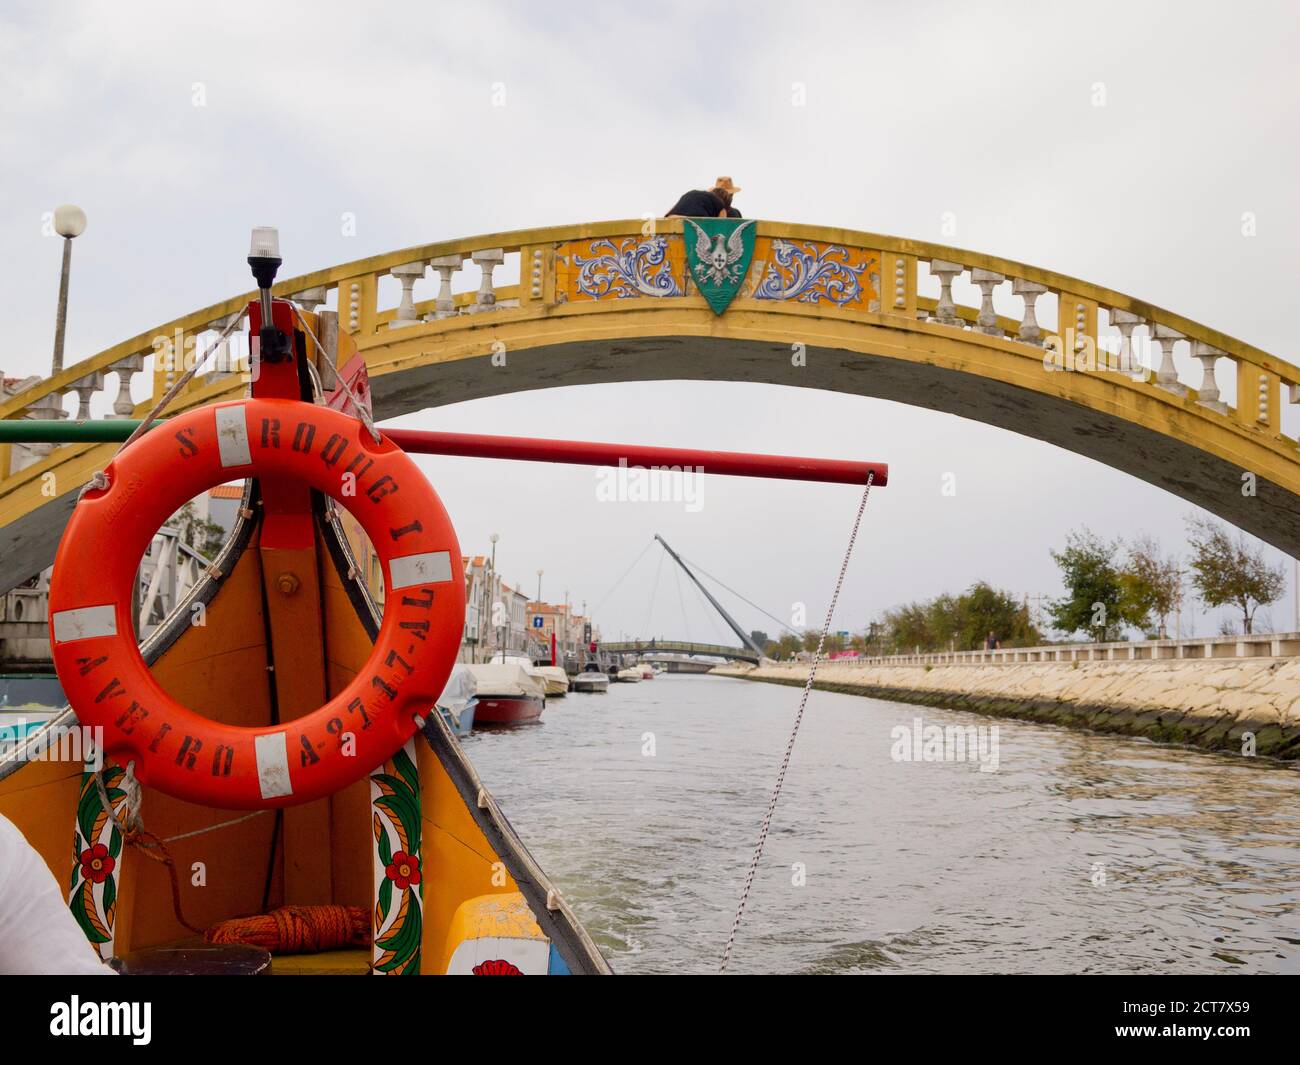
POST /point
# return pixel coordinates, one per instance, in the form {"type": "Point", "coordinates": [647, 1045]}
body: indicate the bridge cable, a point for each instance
{"type": "Point", "coordinates": [794, 732]}
{"type": "Point", "coordinates": [654, 591]}
{"type": "Point", "coordinates": [596, 609]}
{"type": "Point", "coordinates": [681, 600]}
{"type": "Point", "coordinates": [741, 597]}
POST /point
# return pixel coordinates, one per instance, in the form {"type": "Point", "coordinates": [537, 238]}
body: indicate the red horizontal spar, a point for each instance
{"type": "Point", "coordinates": [584, 453]}
{"type": "Point", "coordinates": [526, 449]}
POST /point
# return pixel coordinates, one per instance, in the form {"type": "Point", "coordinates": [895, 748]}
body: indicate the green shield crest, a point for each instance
{"type": "Point", "coordinates": [718, 252]}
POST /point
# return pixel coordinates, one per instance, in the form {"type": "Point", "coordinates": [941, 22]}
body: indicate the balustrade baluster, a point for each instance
{"type": "Point", "coordinates": [987, 321]}
{"type": "Point", "coordinates": [1167, 375]}
{"type": "Point", "coordinates": [1126, 322]}
{"type": "Point", "coordinates": [85, 388]}
{"type": "Point", "coordinates": [1208, 393]}
{"type": "Point", "coordinates": [311, 299]}
{"type": "Point", "coordinates": [487, 260]}
{"type": "Point", "coordinates": [49, 408]}
{"type": "Point", "coordinates": [445, 305]}
{"type": "Point", "coordinates": [945, 311]}
{"type": "Point", "coordinates": [124, 405]}
{"type": "Point", "coordinates": [1030, 331]}
{"type": "Point", "coordinates": [408, 274]}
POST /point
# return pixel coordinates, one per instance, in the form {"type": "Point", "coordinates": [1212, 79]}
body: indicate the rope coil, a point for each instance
{"type": "Point", "coordinates": [297, 929]}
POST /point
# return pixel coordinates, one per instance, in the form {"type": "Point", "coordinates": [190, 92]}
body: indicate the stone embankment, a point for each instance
{"type": "Point", "coordinates": [1213, 703]}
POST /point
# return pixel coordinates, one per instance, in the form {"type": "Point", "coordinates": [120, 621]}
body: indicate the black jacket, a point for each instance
{"type": "Point", "coordinates": [701, 204]}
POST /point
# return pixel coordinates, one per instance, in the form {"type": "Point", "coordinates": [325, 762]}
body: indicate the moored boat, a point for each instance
{"type": "Point", "coordinates": [506, 694]}
{"type": "Point", "coordinates": [456, 703]}
{"type": "Point", "coordinates": [590, 680]}
{"type": "Point", "coordinates": [555, 679]}
{"type": "Point", "coordinates": [632, 675]}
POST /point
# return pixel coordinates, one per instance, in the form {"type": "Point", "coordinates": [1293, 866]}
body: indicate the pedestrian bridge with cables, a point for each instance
{"type": "Point", "coordinates": [643, 648]}
{"type": "Point", "coordinates": [1164, 398]}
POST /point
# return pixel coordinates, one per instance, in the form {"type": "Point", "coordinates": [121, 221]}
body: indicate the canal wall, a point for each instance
{"type": "Point", "coordinates": [1210, 703]}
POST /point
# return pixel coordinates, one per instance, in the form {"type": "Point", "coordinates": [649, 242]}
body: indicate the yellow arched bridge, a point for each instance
{"type": "Point", "coordinates": [1041, 354]}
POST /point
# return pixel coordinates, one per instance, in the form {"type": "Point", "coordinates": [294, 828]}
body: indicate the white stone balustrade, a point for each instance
{"type": "Point", "coordinates": [311, 299]}
{"type": "Point", "coordinates": [945, 311]}
{"type": "Point", "coordinates": [487, 260]}
{"type": "Point", "coordinates": [1167, 375]}
{"type": "Point", "coordinates": [987, 320]}
{"type": "Point", "coordinates": [408, 274]}
{"type": "Point", "coordinates": [86, 387]}
{"type": "Point", "coordinates": [1208, 394]}
{"type": "Point", "coordinates": [444, 306]}
{"type": "Point", "coordinates": [1126, 322]}
{"type": "Point", "coordinates": [1030, 331]}
{"type": "Point", "coordinates": [48, 408]}
{"type": "Point", "coordinates": [124, 405]}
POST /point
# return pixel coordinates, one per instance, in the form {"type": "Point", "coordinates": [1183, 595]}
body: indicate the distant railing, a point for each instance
{"type": "Point", "coordinates": [715, 650]}
{"type": "Point", "coordinates": [1268, 645]}
{"type": "Point", "coordinates": [808, 269]}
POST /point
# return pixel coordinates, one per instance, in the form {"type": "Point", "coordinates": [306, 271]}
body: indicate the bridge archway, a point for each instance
{"type": "Point", "coordinates": [819, 308]}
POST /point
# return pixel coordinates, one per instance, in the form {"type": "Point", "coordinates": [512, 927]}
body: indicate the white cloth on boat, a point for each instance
{"type": "Point", "coordinates": [38, 934]}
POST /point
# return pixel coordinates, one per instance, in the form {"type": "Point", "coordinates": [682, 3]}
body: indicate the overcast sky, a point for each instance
{"type": "Point", "coordinates": [983, 112]}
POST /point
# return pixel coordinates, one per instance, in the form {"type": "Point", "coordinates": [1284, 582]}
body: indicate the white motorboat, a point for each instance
{"type": "Point", "coordinates": [591, 680]}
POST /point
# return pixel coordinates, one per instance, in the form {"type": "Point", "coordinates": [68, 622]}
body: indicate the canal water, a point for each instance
{"type": "Point", "coordinates": [1080, 853]}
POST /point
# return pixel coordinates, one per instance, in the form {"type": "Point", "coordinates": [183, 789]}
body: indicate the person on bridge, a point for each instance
{"type": "Point", "coordinates": [711, 203]}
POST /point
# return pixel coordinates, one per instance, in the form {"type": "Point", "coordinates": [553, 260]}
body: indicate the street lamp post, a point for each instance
{"type": "Point", "coordinates": [69, 222]}
{"type": "Point", "coordinates": [493, 586]}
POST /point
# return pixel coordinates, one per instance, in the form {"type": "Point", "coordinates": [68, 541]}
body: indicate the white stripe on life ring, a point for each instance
{"type": "Point", "coordinates": [427, 568]}
{"type": "Point", "coordinates": [272, 751]}
{"type": "Point", "coordinates": [84, 623]}
{"type": "Point", "coordinates": [232, 436]}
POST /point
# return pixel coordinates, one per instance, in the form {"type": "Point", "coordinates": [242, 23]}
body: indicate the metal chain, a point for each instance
{"type": "Point", "coordinates": [357, 405]}
{"type": "Point", "coordinates": [794, 732]}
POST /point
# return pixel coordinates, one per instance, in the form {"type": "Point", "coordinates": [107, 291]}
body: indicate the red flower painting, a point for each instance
{"type": "Point", "coordinates": [97, 863]}
{"type": "Point", "coordinates": [498, 967]}
{"type": "Point", "coordinates": [403, 870]}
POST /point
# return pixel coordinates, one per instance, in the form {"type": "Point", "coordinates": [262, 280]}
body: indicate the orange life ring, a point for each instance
{"type": "Point", "coordinates": [175, 749]}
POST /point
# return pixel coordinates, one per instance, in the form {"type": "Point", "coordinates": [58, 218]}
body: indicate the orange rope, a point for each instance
{"type": "Point", "coordinates": [297, 929]}
{"type": "Point", "coordinates": [155, 849]}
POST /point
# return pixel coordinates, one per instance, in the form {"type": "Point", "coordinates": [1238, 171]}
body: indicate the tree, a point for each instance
{"type": "Point", "coordinates": [1150, 586]}
{"type": "Point", "coordinates": [984, 609]}
{"type": "Point", "coordinates": [961, 621]}
{"type": "Point", "coordinates": [1227, 572]}
{"type": "Point", "coordinates": [908, 627]}
{"type": "Point", "coordinates": [204, 536]}
{"type": "Point", "coordinates": [788, 645]}
{"type": "Point", "coordinates": [1093, 586]}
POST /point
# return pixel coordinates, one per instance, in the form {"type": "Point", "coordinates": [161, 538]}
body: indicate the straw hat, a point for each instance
{"type": "Point", "coordinates": [725, 184]}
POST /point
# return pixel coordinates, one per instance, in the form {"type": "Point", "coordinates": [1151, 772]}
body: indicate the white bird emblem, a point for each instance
{"type": "Point", "coordinates": [719, 265]}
